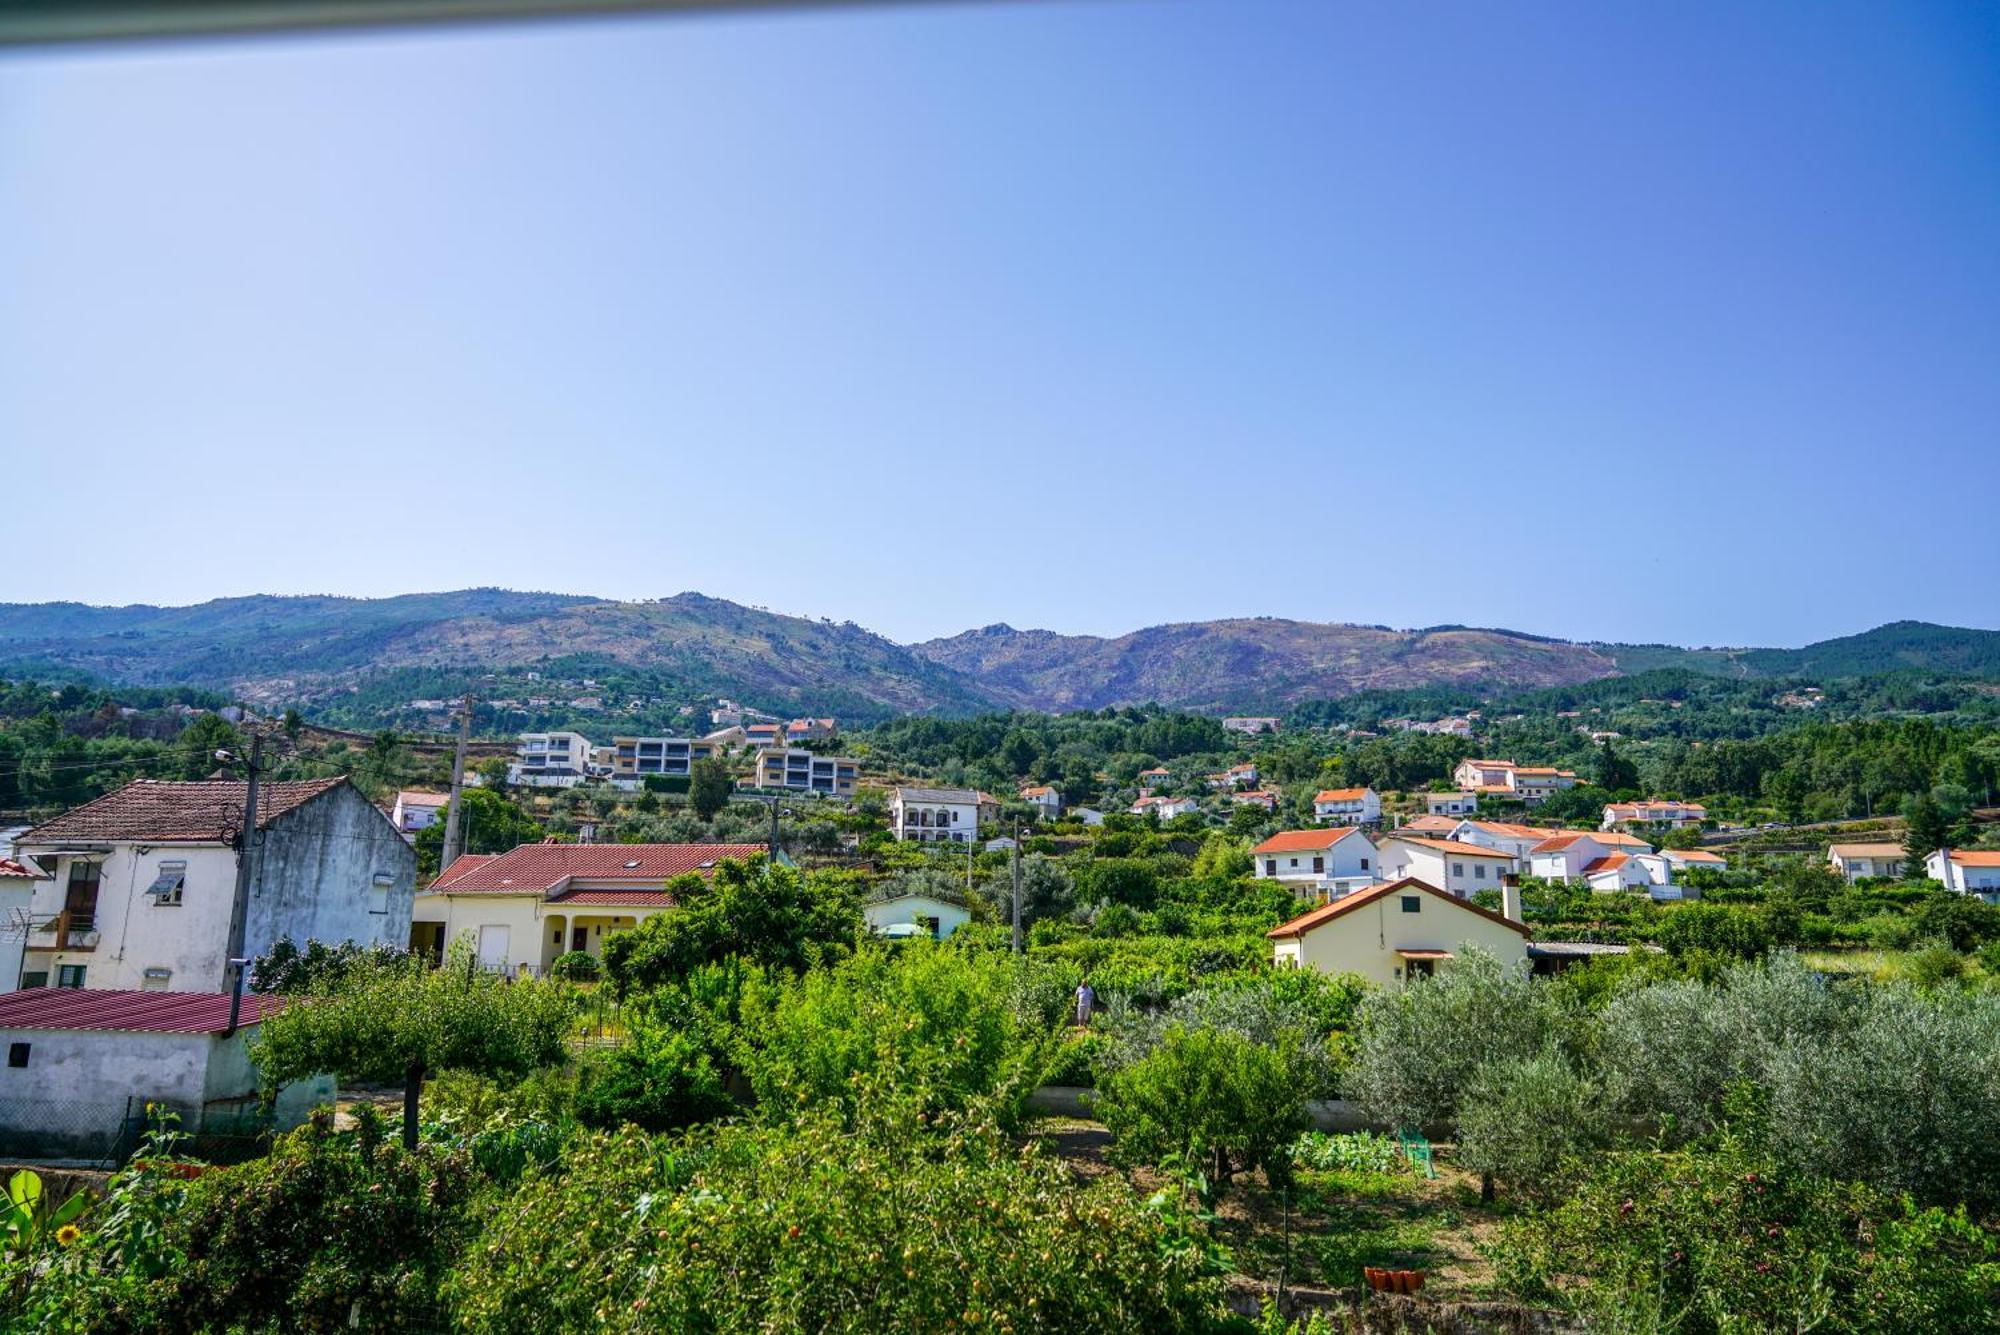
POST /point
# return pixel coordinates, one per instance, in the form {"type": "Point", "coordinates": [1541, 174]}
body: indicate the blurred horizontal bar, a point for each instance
{"type": "Point", "coordinates": [35, 22]}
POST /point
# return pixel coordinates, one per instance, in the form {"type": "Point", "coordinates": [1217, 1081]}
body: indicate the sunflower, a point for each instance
{"type": "Point", "coordinates": [67, 1235]}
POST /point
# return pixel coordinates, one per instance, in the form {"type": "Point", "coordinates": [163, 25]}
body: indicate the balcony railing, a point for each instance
{"type": "Point", "coordinates": [68, 931]}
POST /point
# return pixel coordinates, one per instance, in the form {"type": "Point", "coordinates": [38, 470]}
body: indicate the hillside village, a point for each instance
{"type": "Point", "coordinates": [171, 974]}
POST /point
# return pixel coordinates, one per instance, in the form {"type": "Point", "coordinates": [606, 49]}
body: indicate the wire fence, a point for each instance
{"type": "Point", "coordinates": [104, 1133]}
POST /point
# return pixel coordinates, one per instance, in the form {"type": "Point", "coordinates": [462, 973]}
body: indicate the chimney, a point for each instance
{"type": "Point", "coordinates": [1510, 897]}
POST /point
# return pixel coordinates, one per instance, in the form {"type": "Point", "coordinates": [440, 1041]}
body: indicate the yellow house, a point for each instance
{"type": "Point", "coordinates": [1396, 931]}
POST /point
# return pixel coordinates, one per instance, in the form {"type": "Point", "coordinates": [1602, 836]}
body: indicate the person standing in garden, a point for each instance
{"type": "Point", "coordinates": [1086, 1002]}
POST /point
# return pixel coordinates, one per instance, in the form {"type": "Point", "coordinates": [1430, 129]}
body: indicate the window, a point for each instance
{"type": "Point", "coordinates": [1270, 866]}
{"type": "Point", "coordinates": [17, 1054]}
{"type": "Point", "coordinates": [69, 975]}
{"type": "Point", "coordinates": [1413, 903]}
{"type": "Point", "coordinates": [1364, 864]}
{"type": "Point", "coordinates": [156, 980]}
{"type": "Point", "coordinates": [378, 893]}
{"type": "Point", "coordinates": [34, 978]}
{"type": "Point", "coordinates": [1478, 871]}
{"type": "Point", "coordinates": [166, 887]}
{"type": "Point", "coordinates": [1458, 869]}
{"type": "Point", "coordinates": [1319, 864]}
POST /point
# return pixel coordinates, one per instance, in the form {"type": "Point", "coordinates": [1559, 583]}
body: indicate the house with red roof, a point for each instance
{"type": "Point", "coordinates": [1044, 798]}
{"type": "Point", "coordinates": [138, 888]}
{"type": "Point", "coordinates": [521, 909]}
{"type": "Point", "coordinates": [1397, 930]}
{"type": "Point", "coordinates": [83, 1063]}
{"type": "Point", "coordinates": [1348, 806]}
{"type": "Point", "coordinates": [1966, 871]}
{"type": "Point", "coordinates": [1317, 863]}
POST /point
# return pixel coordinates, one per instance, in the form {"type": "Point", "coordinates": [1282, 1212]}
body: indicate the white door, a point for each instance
{"type": "Point", "coordinates": [493, 946]}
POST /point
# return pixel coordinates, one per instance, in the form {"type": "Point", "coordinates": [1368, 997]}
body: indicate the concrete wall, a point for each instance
{"type": "Point", "coordinates": [136, 932]}
{"type": "Point", "coordinates": [316, 869]}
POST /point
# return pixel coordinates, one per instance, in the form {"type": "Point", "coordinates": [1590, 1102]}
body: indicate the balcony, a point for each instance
{"type": "Point", "coordinates": [69, 931]}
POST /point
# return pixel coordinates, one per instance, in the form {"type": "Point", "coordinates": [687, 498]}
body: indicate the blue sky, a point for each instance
{"type": "Point", "coordinates": [1666, 322]}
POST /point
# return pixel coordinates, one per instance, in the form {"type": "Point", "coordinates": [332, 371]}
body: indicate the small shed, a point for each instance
{"type": "Point", "coordinates": [929, 915]}
{"type": "Point", "coordinates": [82, 1066]}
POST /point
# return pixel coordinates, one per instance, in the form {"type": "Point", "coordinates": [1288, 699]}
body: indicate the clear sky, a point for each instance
{"type": "Point", "coordinates": [1675, 321]}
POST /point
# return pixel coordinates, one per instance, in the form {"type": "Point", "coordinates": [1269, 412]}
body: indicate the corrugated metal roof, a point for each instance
{"type": "Point", "coordinates": [128, 1011]}
{"type": "Point", "coordinates": [546, 868]}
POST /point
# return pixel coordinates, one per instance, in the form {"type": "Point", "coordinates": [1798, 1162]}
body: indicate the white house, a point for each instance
{"type": "Point", "coordinates": [418, 811]}
{"type": "Point", "coordinates": [1250, 726]}
{"type": "Point", "coordinates": [1501, 836]}
{"type": "Point", "coordinates": [141, 883]}
{"type": "Point", "coordinates": [525, 907]}
{"type": "Point", "coordinates": [550, 760]}
{"type": "Point", "coordinates": [81, 1064]}
{"type": "Point", "coordinates": [1451, 804]}
{"type": "Point", "coordinates": [1503, 778]}
{"type": "Point", "coordinates": [804, 771]}
{"type": "Point", "coordinates": [929, 915]}
{"type": "Point", "coordinates": [1153, 778]}
{"type": "Point", "coordinates": [1685, 859]}
{"type": "Point", "coordinates": [1536, 783]}
{"type": "Point", "coordinates": [935, 815]}
{"type": "Point", "coordinates": [1858, 861]}
{"type": "Point", "coordinates": [1255, 798]}
{"type": "Point", "coordinates": [1317, 860]}
{"type": "Point", "coordinates": [1240, 776]}
{"type": "Point", "coordinates": [1348, 806]}
{"type": "Point", "coordinates": [1166, 808]}
{"type": "Point", "coordinates": [1445, 863]}
{"type": "Point", "coordinates": [1675, 815]}
{"type": "Point", "coordinates": [1564, 854]}
{"type": "Point", "coordinates": [1966, 871]}
{"type": "Point", "coordinates": [17, 894]}
{"type": "Point", "coordinates": [1622, 871]}
{"type": "Point", "coordinates": [1088, 815]}
{"type": "Point", "coordinates": [1044, 799]}
{"type": "Point", "coordinates": [1472, 775]}
{"type": "Point", "coordinates": [1399, 930]}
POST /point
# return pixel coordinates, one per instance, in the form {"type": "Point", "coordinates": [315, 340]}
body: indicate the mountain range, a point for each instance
{"type": "Point", "coordinates": [267, 646]}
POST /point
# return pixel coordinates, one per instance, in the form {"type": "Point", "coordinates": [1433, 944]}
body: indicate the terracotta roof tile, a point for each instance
{"type": "Point", "coordinates": [1302, 841]}
{"type": "Point", "coordinates": [1305, 922]}
{"type": "Point", "coordinates": [1340, 795]}
{"type": "Point", "coordinates": [9, 867]}
{"type": "Point", "coordinates": [205, 811]}
{"type": "Point", "coordinates": [1454, 846]}
{"type": "Point", "coordinates": [549, 868]}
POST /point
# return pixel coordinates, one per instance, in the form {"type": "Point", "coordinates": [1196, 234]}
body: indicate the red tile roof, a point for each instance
{"type": "Point", "coordinates": [207, 811]}
{"type": "Point", "coordinates": [1696, 855]}
{"type": "Point", "coordinates": [1454, 846]}
{"type": "Point", "coordinates": [1972, 857]}
{"type": "Point", "coordinates": [1609, 862]}
{"type": "Point", "coordinates": [1325, 913]}
{"type": "Point", "coordinates": [1340, 794]}
{"type": "Point", "coordinates": [544, 868]}
{"type": "Point", "coordinates": [1556, 843]}
{"type": "Point", "coordinates": [9, 867]}
{"type": "Point", "coordinates": [131, 1012]}
{"type": "Point", "coordinates": [1302, 841]}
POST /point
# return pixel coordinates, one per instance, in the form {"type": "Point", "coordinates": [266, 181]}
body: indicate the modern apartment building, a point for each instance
{"type": "Point", "coordinates": [796, 768]}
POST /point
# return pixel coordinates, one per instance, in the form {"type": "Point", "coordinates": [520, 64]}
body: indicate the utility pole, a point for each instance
{"type": "Point", "coordinates": [449, 853]}
{"type": "Point", "coordinates": [776, 847]}
{"type": "Point", "coordinates": [246, 857]}
{"type": "Point", "coordinates": [1017, 887]}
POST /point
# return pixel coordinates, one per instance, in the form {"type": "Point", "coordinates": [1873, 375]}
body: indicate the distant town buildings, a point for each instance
{"type": "Point", "coordinates": [1250, 726]}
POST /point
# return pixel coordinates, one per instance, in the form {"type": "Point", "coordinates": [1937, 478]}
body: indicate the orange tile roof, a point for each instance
{"type": "Point", "coordinates": [1326, 913]}
{"type": "Point", "coordinates": [1609, 862]}
{"type": "Point", "coordinates": [1693, 855]}
{"type": "Point", "coordinates": [1865, 850]}
{"type": "Point", "coordinates": [1302, 841]}
{"type": "Point", "coordinates": [1556, 843]}
{"type": "Point", "coordinates": [1502, 827]}
{"type": "Point", "coordinates": [1974, 857]}
{"type": "Point", "coordinates": [1454, 846]}
{"type": "Point", "coordinates": [1340, 794]}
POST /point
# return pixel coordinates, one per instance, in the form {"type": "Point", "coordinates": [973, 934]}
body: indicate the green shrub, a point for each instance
{"type": "Point", "coordinates": [1710, 1240]}
{"type": "Point", "coordinates": [328, 1231]}
{"type": "Point", "coordinates": [660, 1079]}
{"type": "Point", "coordinates": [1075, 1060]}
{"type": "Point", "coordinates": [578, 966]}
{"type": "Point", "coordinates": [954, 1028]}
{"type": "Point", "coordinates": [1209, 1099]}
{"type": "Point", "coordinates": [825, 1225]}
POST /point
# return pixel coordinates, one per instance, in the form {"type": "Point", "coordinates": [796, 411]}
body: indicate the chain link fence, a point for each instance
{"type": "Point", "coordinates": [104, 1133]}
